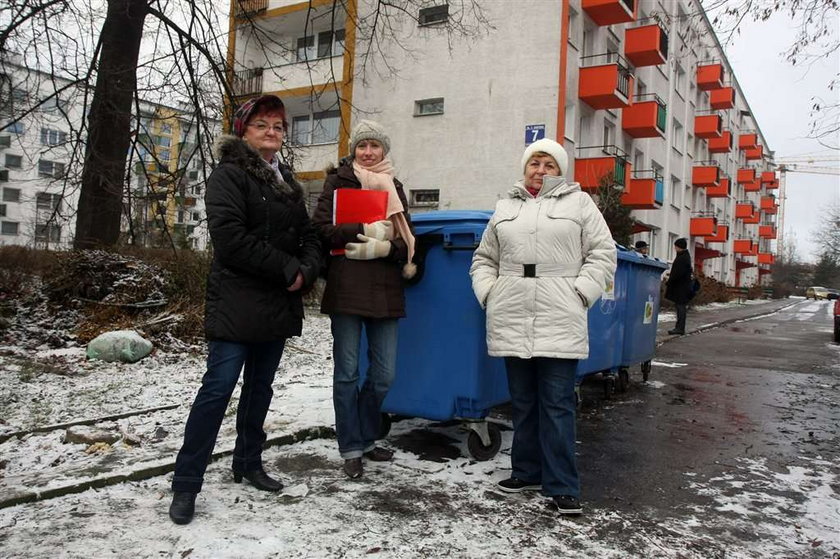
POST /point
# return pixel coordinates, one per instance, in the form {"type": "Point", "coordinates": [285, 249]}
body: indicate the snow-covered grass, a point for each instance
{"type": "Point", "coordinates": [671, 316]}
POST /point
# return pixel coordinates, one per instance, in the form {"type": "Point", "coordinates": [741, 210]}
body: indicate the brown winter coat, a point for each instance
{"type": "Point", "coordinates": [369, 288]}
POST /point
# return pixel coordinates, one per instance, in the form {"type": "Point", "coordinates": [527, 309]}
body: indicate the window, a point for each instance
{"type": "Point", "coordinates": [50, 169]}
{"type": "Point", "coordinates": [575, 28]}
{"type": "Point", "coordinates": [193, 175]}
{"type": "Point", "coordinates": [47, 232]}
{"type": "Point", "coordinates": [51, 105]}
{"type": "Point", "coordinates": [641, 88]}
{"type": "Point", "coordinates": [318, 128]}
{"type": "Point", "coordinates": [690, 145]}
{"type": "Point", "coordinates": [165, 128]}
{"type": "Point", "coordinates": [638, 160]}
{"type": "Point", "coordinates": [672, 238]}
{"type": "Point", "coordinates": [50, 137]}
{"type": "Point", "coordinates": [434, 14]}
{"type": "Point", "coordinates": [180, 216]}
{"type": "Point", "coordinates": [14, 128]}
{"type": "Point", "coordinates": [676, 191]}
{"type": "Point", "coordinates": [163, 155]}
{"type": "Point", "coordinates": [11, 195]}
{"type": "Point", "coordinates": [609, 133]}
{"type": "Point", "coordinates": [2, 210]}
{"type": "Point", "coordinates": [14, 161]}
{"type": "Point", "coordinates": [426, 107]}
{"type": "Point", "coordinates": [424, 197]}
{"type": "Point", "coordinates": [164, 141]}
{"type": "Point", "coordinates": [4, 175]}
{"type": "Point", "coordinates": [679, 78]}
{"type": "Point", "coordinates": [322, 45]}
{"type": "Point", "coordinates": [9, 228]}
{"type": "Point", "coordinates": [677, 136]}
{"type": "Point", "coordinates": [44, 201]}
{"type": "Point", "coordinates": [196, 216]}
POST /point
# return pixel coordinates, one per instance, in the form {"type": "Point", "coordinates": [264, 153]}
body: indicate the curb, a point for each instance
{"type": "Point", "coordinates": [714, 325]}
{"type": "Point", "coordinates": [31, 496]}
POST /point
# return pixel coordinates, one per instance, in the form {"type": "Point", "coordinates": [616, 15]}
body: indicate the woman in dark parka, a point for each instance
{"type": "Point", "coordinates": [678, 286]}
{"type": "Point", "coordinates": [265, 251]}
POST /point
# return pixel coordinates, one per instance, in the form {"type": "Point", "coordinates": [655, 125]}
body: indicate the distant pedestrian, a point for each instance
{"type": "Point", "coordinates": [265, 252]}
{"type": "Point", "coordinates": [678, 286]}
{"type": "Point", "coordinates": [365, 290]}
{"type": "Point", "coordinates": [546, 256]}
{"type": "Point", "coordinates": [641, 247]}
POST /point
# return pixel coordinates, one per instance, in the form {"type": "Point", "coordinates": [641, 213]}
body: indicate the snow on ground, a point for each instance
{"type": "Point", "coordinates": [671, 316]}
{"type": "Point", "coordinates": [421, 505]}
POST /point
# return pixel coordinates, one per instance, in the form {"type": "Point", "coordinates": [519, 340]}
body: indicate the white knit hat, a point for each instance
{"type": "Point", "coordinates": [369, 130]}
{"type": "Point", "coordinates": [550, 147]}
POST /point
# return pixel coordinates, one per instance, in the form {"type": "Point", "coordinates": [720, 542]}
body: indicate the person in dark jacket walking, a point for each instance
{"type": "Point", "coordinates": [678, 286]}
{"type": "Point", "coordinates": [364, 289]}
{"type": "Point", "coordinates": [265, 251]}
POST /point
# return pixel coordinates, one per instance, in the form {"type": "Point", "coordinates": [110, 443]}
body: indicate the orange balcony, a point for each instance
{"type": "Point", "coordinates": [766, 258]}
{"type": "Point", "coordinates": [772, 185]}
{"type": "Point", "coordinates": [703, 226]}
{"type": "Point", "coordinates": [745, 246]}
{"type": "Point", "coordinates": [645, 118]}
{"type": "Point", "coordinates": [707, 126]}
{"type": "Point", "coordinates": [745, 175]}
{"type": "Point", "coordinates": [705, 175]}
{"type": "Point", "coordinates": [646, 191]}
{"type": "Point", "coordinates": [744, 209]}
{"type": "Point", "coordinates": [754, 219]}
{"type": "Point", "coordinates": [710, 76]}
{"type": "Point", "coordinates": [605, 86]}
{"type": "Point", "coordinates": [723, 98]}
{"type": "Point", "coordinates": [754, 186]}
{"type": "Point", "coordinates": [747, 141]}
{"type": "Point", "coordinates": [767, 231]}
{"type": "Point", "coordinates": [768, 204]}
{"type": "Point", "coordinates": [752, 154]}
{"type": "Point", "coordinates": [646, 45]}
{"type": "Point", "coordinates": [609, 12]}
{"type": "Point", "coordinates": [768, 177]}
{"type": "Point", "coordinates": [719, 191]}
{"type": "Point", "coordinates": [722, 144]}
{"type": "Point", "coordinates": [601, 165]}
{"type": "Point", "coordinates": [722, 235]}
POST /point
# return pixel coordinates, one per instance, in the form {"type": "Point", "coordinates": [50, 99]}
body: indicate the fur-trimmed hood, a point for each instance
{"type": "Point", "coordinates": [234, 150]}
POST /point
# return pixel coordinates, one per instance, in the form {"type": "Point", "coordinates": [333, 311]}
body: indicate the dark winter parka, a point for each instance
{"type": "Point", "coordinates": [261, 237]}
{"type": "Point", "coordinates": [369, 288]}
{"type": "Point", "coordinates": [678, 287]}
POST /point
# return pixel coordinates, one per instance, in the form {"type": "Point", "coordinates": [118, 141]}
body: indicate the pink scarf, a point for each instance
{"type": "Point", "coordinates": [381, 177]}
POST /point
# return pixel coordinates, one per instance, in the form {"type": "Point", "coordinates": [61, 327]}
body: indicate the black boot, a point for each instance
{"type": "Point", "coordinates": [182, 509]}
{"type": "Point", "coordinates": [259, 479]}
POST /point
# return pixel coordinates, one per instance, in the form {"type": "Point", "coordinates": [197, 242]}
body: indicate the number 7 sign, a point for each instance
{"type": "Point", "coordinates": [534, 132]}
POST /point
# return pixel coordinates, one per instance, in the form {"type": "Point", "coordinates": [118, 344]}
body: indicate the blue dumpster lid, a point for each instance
{"type": "Point", "coordinates": [636, 258]}
{"type": "Point", "coordinates": [444, 220]}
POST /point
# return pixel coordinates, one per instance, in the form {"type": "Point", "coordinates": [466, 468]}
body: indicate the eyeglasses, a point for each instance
{"type": "Point", "coordinates": [263, 127]}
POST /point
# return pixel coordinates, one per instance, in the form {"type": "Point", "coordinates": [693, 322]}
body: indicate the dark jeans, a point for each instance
{"type": "Point", "coordinates": [682, 310]}
{"type": "Point", "coordinates": [225, 360]}
{"type": "Point", "coordinates": [542, 392]}
{"type": "Point", "coordinates": [358, 410]}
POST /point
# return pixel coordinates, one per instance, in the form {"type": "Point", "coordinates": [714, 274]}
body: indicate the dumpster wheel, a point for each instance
{"type": "Point", "coordinates": [384, 425]}
{"type": "Point", "coordinates": [623, 381]}
{"type": "Point", "coordinates": [477, 448]}
{"type": "Point", "coordinates": [645, 370]}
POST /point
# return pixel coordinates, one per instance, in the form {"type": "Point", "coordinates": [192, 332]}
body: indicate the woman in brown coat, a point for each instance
{"type": "Point", "coordinates": [364, 289]}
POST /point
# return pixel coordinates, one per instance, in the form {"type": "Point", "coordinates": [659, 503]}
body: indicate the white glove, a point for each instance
{"type": "Point", "coordinates": [368, 249]}
{"type": "Point", "coordinates": [379, 230]}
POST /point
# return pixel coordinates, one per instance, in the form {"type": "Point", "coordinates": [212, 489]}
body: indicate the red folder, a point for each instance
{"type": "Point", "coordinates": [354, 205]}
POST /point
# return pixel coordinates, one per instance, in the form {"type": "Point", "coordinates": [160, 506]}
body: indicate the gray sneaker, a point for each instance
{"type": "Point", "coordinates": [516, 485]}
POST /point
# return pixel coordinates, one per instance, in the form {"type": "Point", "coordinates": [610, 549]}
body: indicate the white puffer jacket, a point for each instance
{"type": "Point", "coordinates": [563, 235]}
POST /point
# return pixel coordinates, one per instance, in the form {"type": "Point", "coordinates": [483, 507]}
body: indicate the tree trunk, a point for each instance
{"type": "Point", "coordinates": [109, 125]}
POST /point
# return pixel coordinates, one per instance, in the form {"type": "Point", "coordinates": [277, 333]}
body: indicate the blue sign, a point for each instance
{"type": "Point", "coordinates": [534, 132]}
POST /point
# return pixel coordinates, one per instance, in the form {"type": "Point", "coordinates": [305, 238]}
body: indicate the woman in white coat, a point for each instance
{"type": "Point", "coordinates": [544, 259]}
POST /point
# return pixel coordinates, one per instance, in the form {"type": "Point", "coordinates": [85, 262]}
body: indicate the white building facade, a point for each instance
{"type": "Point", "coordinates": [639, 92]}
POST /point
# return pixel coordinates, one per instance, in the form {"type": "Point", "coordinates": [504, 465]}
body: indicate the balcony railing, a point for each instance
{"type": "Point", "coordinates": [243, 8]}
{"type": "Point", "coordinates": [248, 82]}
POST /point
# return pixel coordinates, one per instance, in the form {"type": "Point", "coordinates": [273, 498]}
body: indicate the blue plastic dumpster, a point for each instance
{"type": "Point", "coordinates": [641, 311]}
{"type": "Point", "coordinates": [443, 370]}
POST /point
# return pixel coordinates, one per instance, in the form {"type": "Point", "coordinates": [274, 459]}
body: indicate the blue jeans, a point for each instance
{"type": "Point", "coordinates": [358, 409]}
{"type": "Point", "coordinates": [542, 392]}
{"type": "Point", "coordinates": [225, 360]}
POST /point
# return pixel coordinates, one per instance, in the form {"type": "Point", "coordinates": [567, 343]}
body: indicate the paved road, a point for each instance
{"type": "Point", "coordinates": [737, 432]}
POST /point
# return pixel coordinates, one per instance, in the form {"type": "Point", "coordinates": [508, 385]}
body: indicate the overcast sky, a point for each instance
{"type": "Point", "coordinates": [780, 98]}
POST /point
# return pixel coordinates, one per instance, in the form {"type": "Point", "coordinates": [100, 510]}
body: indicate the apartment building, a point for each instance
{"type": "Point", "coordinates": [41, 156]}
{"type": "Point", "coordinates": [639, 92]}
